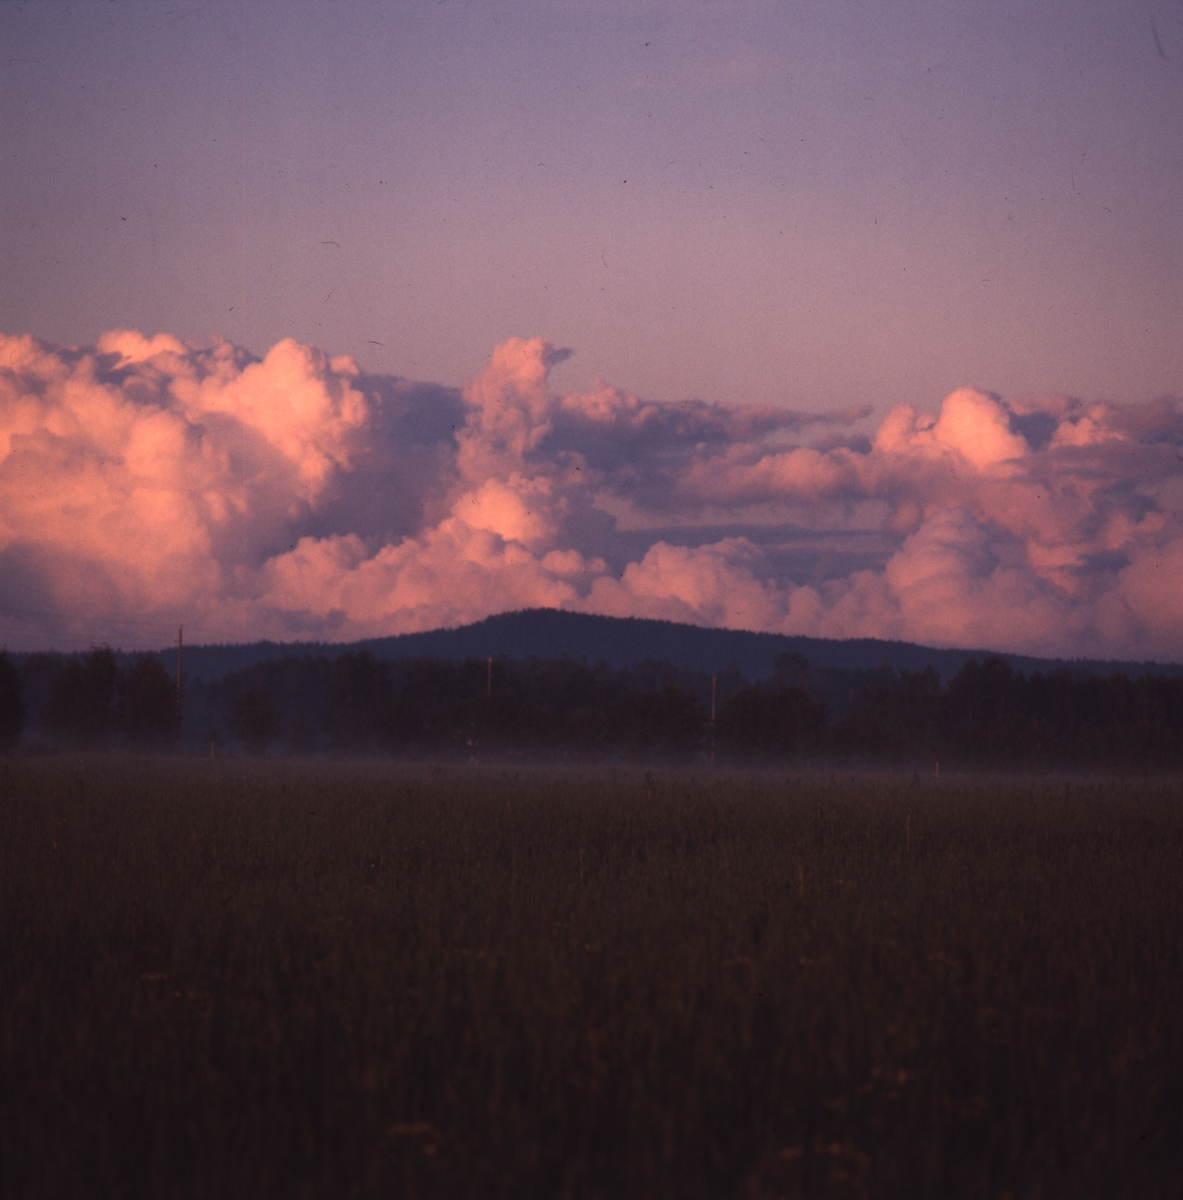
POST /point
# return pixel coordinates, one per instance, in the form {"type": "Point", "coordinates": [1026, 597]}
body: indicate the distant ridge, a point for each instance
{"type": "Point", "coordinates": [552, 633]}
{"type": "Point", "coordinates": [621, 641]}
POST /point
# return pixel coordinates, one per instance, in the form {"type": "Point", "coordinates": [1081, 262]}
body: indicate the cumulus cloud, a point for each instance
{"type": "Point", "coordinates": [146, 482]}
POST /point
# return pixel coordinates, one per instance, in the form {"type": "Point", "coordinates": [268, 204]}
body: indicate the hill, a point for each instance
{"type": "Point", "coordinates": [622, 641]}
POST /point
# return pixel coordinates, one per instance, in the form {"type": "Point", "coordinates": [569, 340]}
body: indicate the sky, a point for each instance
{"type": "Point", "coordinates": [342, 319]}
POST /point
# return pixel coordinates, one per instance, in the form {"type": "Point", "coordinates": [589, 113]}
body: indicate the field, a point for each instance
{"type": "Point", "coordinates": [243, 979]}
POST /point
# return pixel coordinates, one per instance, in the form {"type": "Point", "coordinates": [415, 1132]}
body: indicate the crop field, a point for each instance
{"type": "Point", "coordinates": [255, 979]}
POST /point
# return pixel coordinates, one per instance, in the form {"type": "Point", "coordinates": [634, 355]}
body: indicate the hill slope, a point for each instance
{"type": "Point", "coordinates": [549, 633]}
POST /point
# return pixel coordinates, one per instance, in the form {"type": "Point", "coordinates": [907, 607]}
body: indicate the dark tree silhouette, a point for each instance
{"type": "Point", "coordinates": [148, 712]}
{"type": "Point", "coordinates": [790, 670]}
{"type": "Point", "coordinates": [254, 719]}
{"type": "Point", "coordinates": [399, 724]}
{"type": "Point", "coordinates": [669, 721]}
{"type": "Point", "coordinates": [986, 703]}
{"type": "Point", "coordinates": [770, 722]}
{"type": "Point", "coordinates": [988, 714]}
{"type": "Point", "coordinates": [12, 706]}
{"type": "Point", "coordinates": [900, 718]}
{"type": "Point", "coordinates": [358, 697]}
{"type": "Point", "coordinates": [79, 709]}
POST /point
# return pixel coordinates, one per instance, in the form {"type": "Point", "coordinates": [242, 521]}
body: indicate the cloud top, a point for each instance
{"type": "Point", "coordinates": [146, 482]}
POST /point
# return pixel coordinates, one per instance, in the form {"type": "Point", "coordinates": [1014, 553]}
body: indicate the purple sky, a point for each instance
{"type": "Point", "coordinates": [888, 300]}
{"type": "Point", "coordinates": [803, 204]}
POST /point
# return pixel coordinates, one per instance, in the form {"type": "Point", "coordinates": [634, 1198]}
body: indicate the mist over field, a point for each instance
{"type": "Point", "coordinates": [147, 482]}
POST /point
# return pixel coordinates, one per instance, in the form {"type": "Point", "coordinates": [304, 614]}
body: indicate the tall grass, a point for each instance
{"type": "Point", "coordinates": [250, 980]}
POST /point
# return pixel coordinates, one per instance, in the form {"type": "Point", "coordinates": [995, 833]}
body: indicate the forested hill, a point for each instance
{"type": "Point", "coordinates": [624, 641]}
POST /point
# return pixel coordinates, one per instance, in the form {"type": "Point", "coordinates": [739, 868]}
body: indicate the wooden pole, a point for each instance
{"type": "Point", "coordinates": [180, 644]}
{"type": "Point", "coordinates": [489, 692]}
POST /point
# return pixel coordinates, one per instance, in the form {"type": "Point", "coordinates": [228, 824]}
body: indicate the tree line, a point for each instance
{"type": "Point", "coordinates": [988, 714]}
{"type": "Point", "coordinates": [93, 701]}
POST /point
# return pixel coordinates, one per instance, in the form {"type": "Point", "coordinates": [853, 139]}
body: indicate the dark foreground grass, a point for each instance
{"type": "Point", "coordinates": [229, 980]}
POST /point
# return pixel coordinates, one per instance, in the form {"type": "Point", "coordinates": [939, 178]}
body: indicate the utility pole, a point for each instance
{"type": "Point", "coordinates": [489, 692]}
{"type": "Point", "coordinates": [180, 646]}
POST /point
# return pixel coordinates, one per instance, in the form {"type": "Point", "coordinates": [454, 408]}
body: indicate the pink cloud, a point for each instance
{"type": "Point", "coordinates": [971, 426]}
{"type": "Point", "coordinates": [150, 481]}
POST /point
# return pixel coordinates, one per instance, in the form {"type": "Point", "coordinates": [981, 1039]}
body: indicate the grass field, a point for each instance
{"type": "Point", "coordinates": [247, 979]}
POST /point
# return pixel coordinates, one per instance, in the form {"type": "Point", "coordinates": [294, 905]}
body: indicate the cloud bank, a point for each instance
{"type": "Point", "coordinates": [147, 482]}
